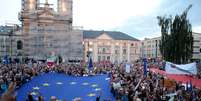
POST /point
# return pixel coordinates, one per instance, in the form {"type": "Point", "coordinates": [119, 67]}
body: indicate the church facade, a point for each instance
{"type": "Point", "coordinates": [49, 32]}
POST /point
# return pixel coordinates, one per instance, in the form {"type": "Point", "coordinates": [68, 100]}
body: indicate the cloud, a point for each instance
{"type": "Point", "coordinates": [108, 14]}
{"type": "Point", "coordinates": [139, 28]}
{"type": "Point", "coordinates": [197, 29]}
{"type": "Point", "coordinates": [134, 17]}
{"type": "Point", "coordinates": [9, 11]}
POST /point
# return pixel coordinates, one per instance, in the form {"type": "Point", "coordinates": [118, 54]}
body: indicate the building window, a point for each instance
{"type": "Point", "coordinates": [104, 58]}
{"type": "Point", "coordinates": [90, 43]}
{"type": "Point", "coordinates": [124, 44]}
{"type": "Point", "coordinates": [99, 58]}
{"type": "Point", "coordinates": [196, 40]}
{"type": "Point", "coordinates": [108, 58]}
{"type": "Point", "coordinates": [124, 58]}
{"type": "Point", "coordinates": [132, 45]}
{"type": "Point", "coordinates": [19, 45]}
{"type": "Point", "coordinates": [116, 51]}
{"type": "Point", "coordinates": [104, 50]}
{"type": "Point", "coordinates": [99, 50]}
{"type": "Point", "coordinates": [124, 51]}
{"type": "Point", "coordinates": [90, 49]}
{"type": "Point", "coordinates": [196, 47]}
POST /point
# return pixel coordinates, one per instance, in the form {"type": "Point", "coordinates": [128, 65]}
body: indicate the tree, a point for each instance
{"type": "Point", "coordinates": [176, 38]}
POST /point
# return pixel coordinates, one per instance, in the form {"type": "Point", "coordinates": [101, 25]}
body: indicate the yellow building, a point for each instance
{"type": "Point", "coordinates": [110, 46]}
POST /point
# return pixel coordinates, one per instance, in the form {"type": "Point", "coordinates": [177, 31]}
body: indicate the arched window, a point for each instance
{"type": "Point", "coordinates": [19, 45]}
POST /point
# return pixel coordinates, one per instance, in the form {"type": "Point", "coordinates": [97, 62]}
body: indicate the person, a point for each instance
{"type": "Point", "coordinates": [9, 95]}
{"type": "Point", "coordinates": [53, 98]}
{"type": "Point", "coordinates": [77, 99]}
{"type": "Point", "coordinates": [3, 86]}
{"type": "Point", "coordinates": [40, 98]}
{"type": "Point", "coordinates": [30, 97]}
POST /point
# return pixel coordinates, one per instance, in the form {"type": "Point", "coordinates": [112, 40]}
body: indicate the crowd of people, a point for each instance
{"type": "Point", "coordinates": [135, 86]}
{"type": "Point", "coordinates": [22, 73]}
{"type": "Point", "coordinates": [125, 86]}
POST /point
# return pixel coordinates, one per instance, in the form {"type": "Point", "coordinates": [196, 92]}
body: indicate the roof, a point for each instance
{"type": "Point", "coordinates": [196, 33]}
{"type": "Point", "coordinates": [91, 34]}
{"type": "Point", "coordinates": [5, 29]}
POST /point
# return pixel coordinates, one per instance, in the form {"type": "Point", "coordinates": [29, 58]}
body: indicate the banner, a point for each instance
{"type": "Point", "coordinates": [189, 69]}
{"type": "Point", "coordinates": [51, 61]}
{"type": "Point", "coordinates": [128, 68]}
{"type": "Point", "coordinates": [169, 83]}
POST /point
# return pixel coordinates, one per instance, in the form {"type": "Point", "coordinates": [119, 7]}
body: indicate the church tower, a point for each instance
{"type": "Point", "coordinates": [64, 7]}
{"type": "Point", "coordinates": [48, 31]}
{"type": "Point", "coordinates": [29, 5]}
{"type": "Point", "coordinates": [65, 11]}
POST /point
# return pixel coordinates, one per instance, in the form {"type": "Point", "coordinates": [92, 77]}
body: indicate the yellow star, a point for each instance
{"type": "Point", "coordinates": [59, 83]}
{"type": "Point", "coordinates": [73, 83]}
{"type": "Point", "coordinates": [97, 89]}
{"type": "Point", "coordinates": [34, 93]}
{"type": "Point", "coordinates": [91, 94]}
{"type": "Point", "coordinates": [36, 88]}
{"type": "Point", "coordinates": [94, 85]}
{"type": "Point", "coordinates": [85, 83]}
{"type": "Point", "coordinates": [107, 79]}
{"type": "Point", "coordinates": [46, 84]}
{"type": "Point", "coordinates": [77, 99]}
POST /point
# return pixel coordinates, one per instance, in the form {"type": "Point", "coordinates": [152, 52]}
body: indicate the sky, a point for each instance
{"type": "Point", "coordinates": [134, 17]}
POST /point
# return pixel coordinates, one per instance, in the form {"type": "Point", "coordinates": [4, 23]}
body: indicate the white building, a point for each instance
{"type": "Point", "coordinates": [10, 42]}
{"type": "Point", "coordinates": [150, 47]}
{"type": "Point", "coordinates": [197, 46]}
{"type": "Point", "coordinates": [110, 46]}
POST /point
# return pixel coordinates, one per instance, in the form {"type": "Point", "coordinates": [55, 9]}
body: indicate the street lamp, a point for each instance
{"type": "Point", "coordinates": [200, 54]}
{"type": "Point", "coordinates": [11, 43]}
{"type": "Point", "coordinates": [156, 48]}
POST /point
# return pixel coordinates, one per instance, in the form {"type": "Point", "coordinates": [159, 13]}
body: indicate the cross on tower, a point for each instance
{"type": "Point", "coordinates": [46, 4]}
{"type": "Point", "coordinates": [46, 1]}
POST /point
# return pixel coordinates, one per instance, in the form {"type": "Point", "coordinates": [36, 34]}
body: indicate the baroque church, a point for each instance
{"type": "Point", "coordinates": [50, 32]}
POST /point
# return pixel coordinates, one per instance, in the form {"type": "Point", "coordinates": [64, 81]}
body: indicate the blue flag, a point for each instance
{"type": "Point", "coordinates": [6, 60]}
{"type": "Point", "coordinates": [90, 65]}
{"type": "Point", "coordinates": [145, 67]}
{"type": "Point", "coordinates": [191, 86]}
{"type": "Point", "coordinates": [187, 86]}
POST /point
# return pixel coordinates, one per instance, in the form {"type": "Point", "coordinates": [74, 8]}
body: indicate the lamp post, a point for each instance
{"type": "Point", "coordinates": [11, 41]}
{"type": "Point", "coordinates": [156, 47]}
{"type": "Point", "coordinates": [200, 54]}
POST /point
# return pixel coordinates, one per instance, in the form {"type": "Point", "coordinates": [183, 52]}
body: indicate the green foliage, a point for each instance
{"type": "Point", "coordinates": [176, 38]}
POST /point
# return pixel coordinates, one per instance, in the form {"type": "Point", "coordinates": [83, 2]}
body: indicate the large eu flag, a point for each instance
{"type": "Point", "coordinates": [66, 87]}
